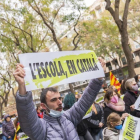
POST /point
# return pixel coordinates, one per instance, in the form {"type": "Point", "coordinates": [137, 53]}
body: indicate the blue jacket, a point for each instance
{"type": "Point", "coordinates": [49, 128]}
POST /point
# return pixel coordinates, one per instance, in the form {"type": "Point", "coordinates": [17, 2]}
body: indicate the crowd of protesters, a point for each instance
{"type": "Point", "coordinates": [49, 121]}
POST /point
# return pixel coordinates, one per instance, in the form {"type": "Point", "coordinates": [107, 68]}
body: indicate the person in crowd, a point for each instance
{"type": "Point", "coordinates": [56, 123]}
{"type": "Point", "coordinates": [113, 103]}
{"type": "Point", "coordinates": [39, 111]}
{"type": "Point", "coordinates": [137, 79]}
{"type": "Point", "coordinates": [113, 88]}
{"type": "Point", "coordinates": [18, 129]}
{"type": "Point", "coordinates": [78, 96]}
{"type": "Point", "coordinates": [8, 129]}
{"type": "Point", "coordinates": [131, 96]}
{"type": "Point", "coordinates": [95, 123]}
{"type": "Point", "coordinates": [105, 89]}
{"type": "Point", "coordinates": [114, 125]}
{"type": "Point", "coordinates": [69, 100]}
{"type": "Point", "coordinates": [123, 90]}
{"type": "Point", "coordinates": [82, 128]}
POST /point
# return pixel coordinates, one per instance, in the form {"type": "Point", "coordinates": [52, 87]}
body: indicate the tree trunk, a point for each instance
{"type": "Point", "coordinates": [128, 54]}
{"type": "Point", "coordinates": [71, 88]}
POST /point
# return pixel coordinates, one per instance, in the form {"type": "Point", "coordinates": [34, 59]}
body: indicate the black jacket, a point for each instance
{"type": "Point", "coordinates": [108, 111]}
{"type": "Point", "coordinates": [94, 120]}
{"type": "Point", "coordinates": [129, 99]}
{"type": "Point", "coordinates": [92, 123]}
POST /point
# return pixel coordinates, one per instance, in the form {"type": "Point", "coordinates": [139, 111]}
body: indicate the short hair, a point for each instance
{"type": "Point", "coordinates": [38, 107]}
{"type": "Point", "coordinates": [44, 93]}
{"type": "Point", "coordinates": [128, 84]}
{"type": "Point", "coordinates": [113, 117]}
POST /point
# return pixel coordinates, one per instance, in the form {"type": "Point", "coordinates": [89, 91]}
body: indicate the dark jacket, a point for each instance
{"type": "Point", "coordinates": [129, 99]}
{"type": "Point", "coordinates": [108, 111]}
{"type": "Point", "coordinates": [95, 119]}
{"type": "Point", "coordinates": [8, 129]}
{"type": "Point", "coordinates": [92, 123]}
{"type": "Point", "coordinates": [50, 128]}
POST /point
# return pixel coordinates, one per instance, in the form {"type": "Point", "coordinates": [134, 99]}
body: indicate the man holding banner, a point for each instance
{"type": "Point", "coordinates": [56, 124]}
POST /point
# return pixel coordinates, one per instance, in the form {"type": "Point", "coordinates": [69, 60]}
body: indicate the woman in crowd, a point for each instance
{"type": "Point", "coordinates": [96, 121]}
{"type": "Point", "coordinates": [114, 125]}
{"type": "Point", "coordinates": [131, 96]}
{"type": "Point", "coordinates": [8, 129]}
{"type": "Point", "coordinates": [113, 103]}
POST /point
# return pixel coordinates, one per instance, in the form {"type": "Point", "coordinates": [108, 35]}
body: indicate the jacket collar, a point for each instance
{"type": "Point", "coordinates": [48, 118]}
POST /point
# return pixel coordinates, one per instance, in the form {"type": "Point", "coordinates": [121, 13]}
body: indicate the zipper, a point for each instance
{"type": "Point", "coordinates": [65, 136]}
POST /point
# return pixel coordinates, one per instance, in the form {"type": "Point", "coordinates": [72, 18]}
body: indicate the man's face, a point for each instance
{"type": "Point", "coordinates": [54, 101]}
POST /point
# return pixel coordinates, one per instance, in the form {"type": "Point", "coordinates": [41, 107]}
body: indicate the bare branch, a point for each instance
{"type": "Point", "coordinates": [77, 34]}
{"type": "Point", "coordinates": [125, 14]}
{"type": "Point", "coordinates": [43, 40]}
{"type": "Point", "coordinates": [115, 14]}
{"type": "Point", "coordinates": [57, 13]}
{"type": "Point", "coordinates": [51, 29]}
{"type": "Point", "coordinates": [117, 4]}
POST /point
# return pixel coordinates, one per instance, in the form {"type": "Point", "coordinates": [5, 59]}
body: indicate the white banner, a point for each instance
{"type": "Point", "coordinates": [23, 136]}
{"type": "Point", "coordinates": [131, 129]}
{"type": "Point", "coordinates": [57, 68]}
{"type": "Point", "coordinates": [137, 103]}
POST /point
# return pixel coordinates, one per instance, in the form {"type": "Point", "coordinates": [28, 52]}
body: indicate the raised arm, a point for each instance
{"type": "Point", "coordinates": [29, 121]}
{"type": "Point", "coordinates": [79, 109]}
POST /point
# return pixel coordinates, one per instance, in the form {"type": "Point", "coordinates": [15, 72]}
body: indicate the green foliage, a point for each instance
{"type": "Point", "coordinates": [102, 36]}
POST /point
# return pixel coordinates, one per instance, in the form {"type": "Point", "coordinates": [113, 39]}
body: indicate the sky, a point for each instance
{"type": "Point", "coordinates": [89, 2]}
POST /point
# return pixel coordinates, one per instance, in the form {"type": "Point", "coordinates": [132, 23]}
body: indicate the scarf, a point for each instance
{"type": "Point", "coordinates": [120, 106]}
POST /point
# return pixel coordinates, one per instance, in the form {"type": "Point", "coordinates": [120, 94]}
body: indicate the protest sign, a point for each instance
{"type": "Point", "coordinates": [137, 103]}
{"type": "Point", "coordinates": [122, 96]}
{"type": "Point", "coordinates": [100, 100]}
{"type": "Point", "coordinates": [52, 69]}
{"type": "Point", "coordinates": [0, 130]}
{"type": "Point", "coordinates": [131, 129]}
{"type": "Point", "coordinates": [23, 136]}
{"type": "Point", "coordinates": [88, 113]}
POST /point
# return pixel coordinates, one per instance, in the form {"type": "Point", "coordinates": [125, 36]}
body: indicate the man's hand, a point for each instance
{"type": "Point", "coordinates": [103, 64]}
{"type": "Point", "coordinates": [9, 137]}
{"type": "Point", "coordinates": [19, 75]}
{"type": "Point", "coordinates": [132, 107]}
{"type": "Point", "coordinates": [101, 124]}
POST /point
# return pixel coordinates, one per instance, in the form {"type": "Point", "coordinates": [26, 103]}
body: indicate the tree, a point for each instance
{"type": "Point", "coordinates": [121, 22]}
{"type": "Point", "coordinates": [7, 80]}
{"type": "Point", "coordinates": [101, 36]}
{"type": "Point", "coordinates": [134, 22]}
{"type": "Point", "coordinates": [38, 25]}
